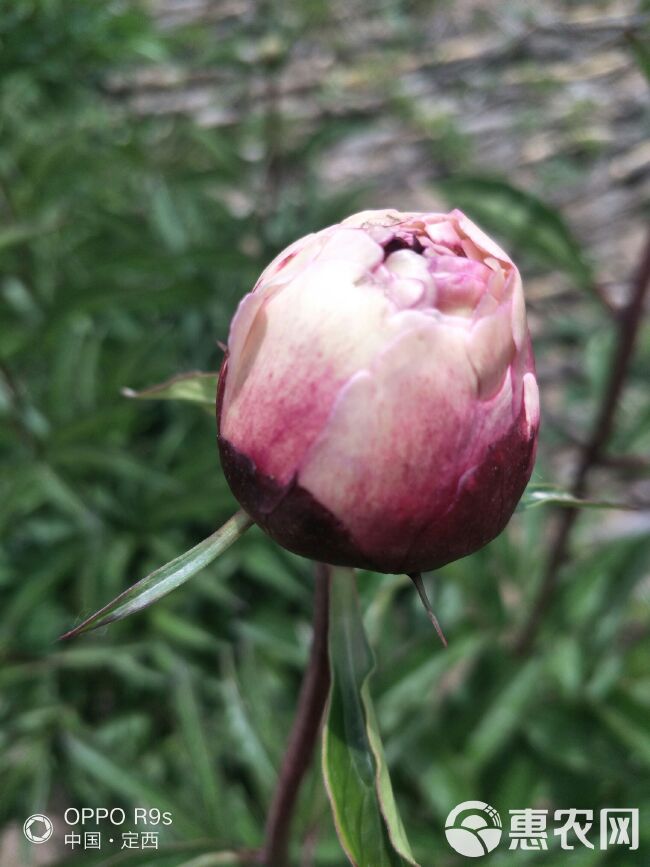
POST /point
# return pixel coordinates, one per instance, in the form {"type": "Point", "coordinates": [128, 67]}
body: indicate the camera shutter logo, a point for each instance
{"type": "Point", "coordinates": [473, 829]}
{"type": "Point", "coordinates": [38, 828]}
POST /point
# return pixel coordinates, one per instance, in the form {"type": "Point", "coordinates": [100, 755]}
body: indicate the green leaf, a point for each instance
{"type": "Point", "coordinates": [217, 859]}
{"type": "Point", "coordinates": [638, 42]}
{"type": "Point", "coordinates": [196, 387]}
{"type": "Point", "coordinates": [170, 576]}
{"type": "Point", "coordinates": [202, 756]}
{"type": "Point", "coordinates": [354, 767]}
{"type": "Point", "coordinates": [126, 784]}
{"type": "Point", "coordinates": [200, 854]}
{"type": "Point", "coordinates": [242, 730]}
{"type": "Point", "coordinates": [504, 716]}
{"type": "Point", "coordinates": [21, 234]}
{"type": "Point", "coordinates": [522, 220]}
{"type": "Point", "coordinates": [633, 736]}
{"type": "Point", "coordinates": [550, 495]}
{"type": "Point", "coordinates": [167, 219]}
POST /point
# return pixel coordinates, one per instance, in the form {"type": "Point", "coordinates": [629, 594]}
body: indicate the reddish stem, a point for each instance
{"type": "Point", "coordinates": [304, 734]}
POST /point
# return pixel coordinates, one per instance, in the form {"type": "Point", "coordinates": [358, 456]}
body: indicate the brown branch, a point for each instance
{"type": "Point", "coordinates": [628, 327]}
{"type": "Point", "coordinates": [625, 463]}
{"type": "Point", "coordinates": [303, 736]}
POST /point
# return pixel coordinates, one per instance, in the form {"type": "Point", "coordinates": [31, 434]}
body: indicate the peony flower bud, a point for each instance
{"type": "Point", "coordinates": [378, 405]}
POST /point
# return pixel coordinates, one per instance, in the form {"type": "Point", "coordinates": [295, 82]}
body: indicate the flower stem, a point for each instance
{"type": "Point", "coordinates": [303, 736]}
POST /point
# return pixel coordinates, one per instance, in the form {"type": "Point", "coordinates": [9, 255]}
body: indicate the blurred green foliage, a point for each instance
{"type": "Point", "coordinates": [122, 258]}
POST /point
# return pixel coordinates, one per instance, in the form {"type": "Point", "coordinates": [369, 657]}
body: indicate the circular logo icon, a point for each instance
{"type": "Point", "coordinates": [38, 828]}
{"type": "Point", "coordinates": [473, 828]}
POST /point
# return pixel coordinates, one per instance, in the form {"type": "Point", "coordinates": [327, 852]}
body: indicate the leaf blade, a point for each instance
{"type": "Point", "coordinates": [355, 773]}
{"type": "Point", "coordinates": [162, 581]}
{"type": "Point", "coordinates": [123, 782]}
{"type": "Point", "coordinates": [195, 387]}
{"type": "Point", "coordinates": [552, 495]}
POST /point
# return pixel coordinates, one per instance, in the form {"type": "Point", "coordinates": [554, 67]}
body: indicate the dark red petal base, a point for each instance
{"type": "Point", "coordinates": [290, 515]}
{"type": "Point", "coordinates": [483, 505]}
{"type": "Point", "coordinates": [478, 512]}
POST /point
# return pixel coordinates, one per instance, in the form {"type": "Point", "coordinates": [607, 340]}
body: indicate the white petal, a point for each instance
{"type": "Point", "coordinates": [405, 292]}
{"type": "Point", "coordinates": [406, 263]}
{"type": "Point", "coordinates": [519, 324]}
{"type": "Point", "coordinates": [482, 241]}
{"type": "Point", "coordinates": [292, 259]}
{"type": "Point", "coordinates": [531, 401]}
{"type": "Point", "coordinates": [443, 232]}
{"type": "Point", "coordinates": [354, 249]}
{"type": "Point", "coordinates": [307, 340]}
{"type": "Point", "coordinates": [491, 348]}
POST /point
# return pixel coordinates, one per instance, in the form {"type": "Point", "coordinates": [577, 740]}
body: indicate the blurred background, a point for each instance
{"type": "Point", "coordinates": [153, 158]}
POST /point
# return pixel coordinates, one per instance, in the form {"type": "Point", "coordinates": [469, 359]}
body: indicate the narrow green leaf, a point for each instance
{"type": "Point", "coordinates": [388, 805]}
{"type": "Point", "coordinates": [196, 387]}
{"type": "Point", "coordinates": [184, 631]}
{"type": "Point", "coordinates": [167, 219]}
{"type": "Point", "coordinates": [21, 234]}
{"type": "Point", "coordinates": [354, 768]}
{"type": "Point", "coordinates": [126, 784]}
{"type": "Point", "coordinates": [638, 42]}
{"type": "Point", "coordinates": [170, 576]}
{"type": "Point", "coordinates": [167, 855]}
{"type": "Point", "coordinates": [267, 565]}
{"type": "Point", "coordinates": [634, 737]}
{"type": "Point", "coordinates": [203, 758]}
{"type": "Point", "coordinates": [550, 495]}
{"type": "Point", "coordinates": [216, 859]}
{"type": "Point", "coordinates": [242, 730]}
{"type": "Point", "coordinates": [504, 716]}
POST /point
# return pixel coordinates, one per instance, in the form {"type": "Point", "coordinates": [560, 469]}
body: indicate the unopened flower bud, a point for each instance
{"type": "Point", "coordinates": [378, 405]}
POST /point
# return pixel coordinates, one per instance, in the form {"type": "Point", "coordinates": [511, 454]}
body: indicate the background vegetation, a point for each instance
{"type": "Point", "coordinates": [135, 210]}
